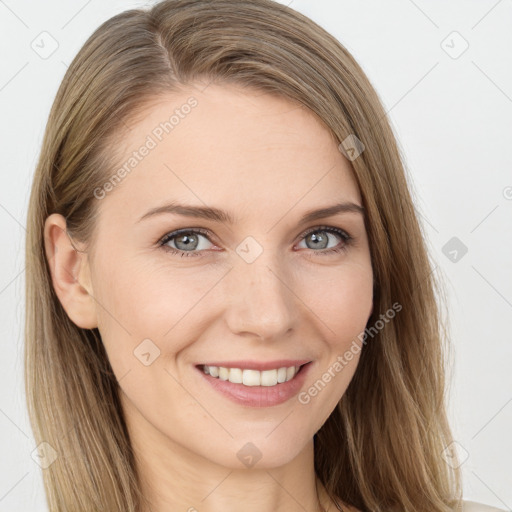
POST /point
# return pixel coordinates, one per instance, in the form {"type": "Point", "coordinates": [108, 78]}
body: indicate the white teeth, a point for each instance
{"type": "Point", "coordinates": [235, 375]}
{"type": "Point", "coordinates": [269, 378]}
{"type": "Point", "coordinates": [252, 377]}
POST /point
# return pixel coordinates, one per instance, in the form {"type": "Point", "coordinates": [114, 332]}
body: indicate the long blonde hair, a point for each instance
{"type": "Point", "coordinates": [382, 447]}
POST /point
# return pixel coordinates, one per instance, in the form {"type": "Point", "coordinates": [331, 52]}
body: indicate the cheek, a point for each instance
{"type": "Point", "coordinates": [173, 305]}
{"type": "Point", "coordinates": [342, 303]}
{"type": "Point", "coordinates": [138, 302]}
{"type": "Point", "coordinates": [341, 298]}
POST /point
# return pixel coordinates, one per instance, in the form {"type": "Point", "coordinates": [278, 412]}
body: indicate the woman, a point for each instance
{"type": "Point", "coordinates": [229, 300]}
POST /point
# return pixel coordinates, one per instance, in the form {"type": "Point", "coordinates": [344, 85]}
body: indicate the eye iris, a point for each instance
{"type": "Point", "coordinates": [317, 239]}
{"type": "Point", "coordinates": [190, 239]}
{"type": "Point", "coordinates": [320, 239]}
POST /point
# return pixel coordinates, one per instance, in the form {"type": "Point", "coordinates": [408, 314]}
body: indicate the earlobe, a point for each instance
{"type": "Point", "coordinates": [70, 273]}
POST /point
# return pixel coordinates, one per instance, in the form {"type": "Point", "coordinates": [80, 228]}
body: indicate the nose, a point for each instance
{"type": "Point", "coordinates": [262, 302]}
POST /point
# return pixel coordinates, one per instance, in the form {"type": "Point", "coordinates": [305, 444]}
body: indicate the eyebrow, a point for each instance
{"type": "Point", "coordinates": [218, 215]}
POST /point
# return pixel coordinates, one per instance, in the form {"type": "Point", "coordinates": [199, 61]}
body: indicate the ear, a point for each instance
{"type": "Point", "coordinates": [70, 273]}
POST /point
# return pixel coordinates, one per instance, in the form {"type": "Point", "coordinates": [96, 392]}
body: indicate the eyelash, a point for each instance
{"type": "Point", "coordinates": [347, 240]}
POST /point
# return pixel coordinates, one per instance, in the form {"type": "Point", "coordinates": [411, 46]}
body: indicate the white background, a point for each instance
{"type": "Point", "coordinates": [453, 120]}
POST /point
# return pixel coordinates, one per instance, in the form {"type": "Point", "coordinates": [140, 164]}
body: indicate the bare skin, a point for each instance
{"type": "Point", "coordinates": [267, 161]}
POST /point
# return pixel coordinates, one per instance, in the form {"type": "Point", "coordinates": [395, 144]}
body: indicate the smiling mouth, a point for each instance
{"type": "Point", "coordinates": [250, 377]}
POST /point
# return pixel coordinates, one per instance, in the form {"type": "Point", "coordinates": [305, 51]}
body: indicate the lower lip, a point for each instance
{"type": "Point", "coordinates": [259, 396]}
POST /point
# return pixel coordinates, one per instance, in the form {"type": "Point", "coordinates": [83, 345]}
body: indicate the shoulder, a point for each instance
{"type": "Point", "coordinates": [473, 506]}
{"type": "Point", "coordinates": [467, 506]}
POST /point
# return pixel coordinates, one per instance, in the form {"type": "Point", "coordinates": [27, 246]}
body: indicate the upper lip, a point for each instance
{"type": "Point", "coordinates": [258, 365]}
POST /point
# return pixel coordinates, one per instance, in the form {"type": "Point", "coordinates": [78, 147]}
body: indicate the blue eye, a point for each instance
{"type": "Point", "coordinates": [190, 238]}
{"type": "Point", "coordinates": [319, 240]}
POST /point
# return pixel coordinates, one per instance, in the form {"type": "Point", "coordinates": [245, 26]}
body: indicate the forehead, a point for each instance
{"type": "Point", "coordinates": [229, 145]}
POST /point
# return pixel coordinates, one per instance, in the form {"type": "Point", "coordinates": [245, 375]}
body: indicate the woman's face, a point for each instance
{"type": "Point", "coordinates": [256, 286]}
